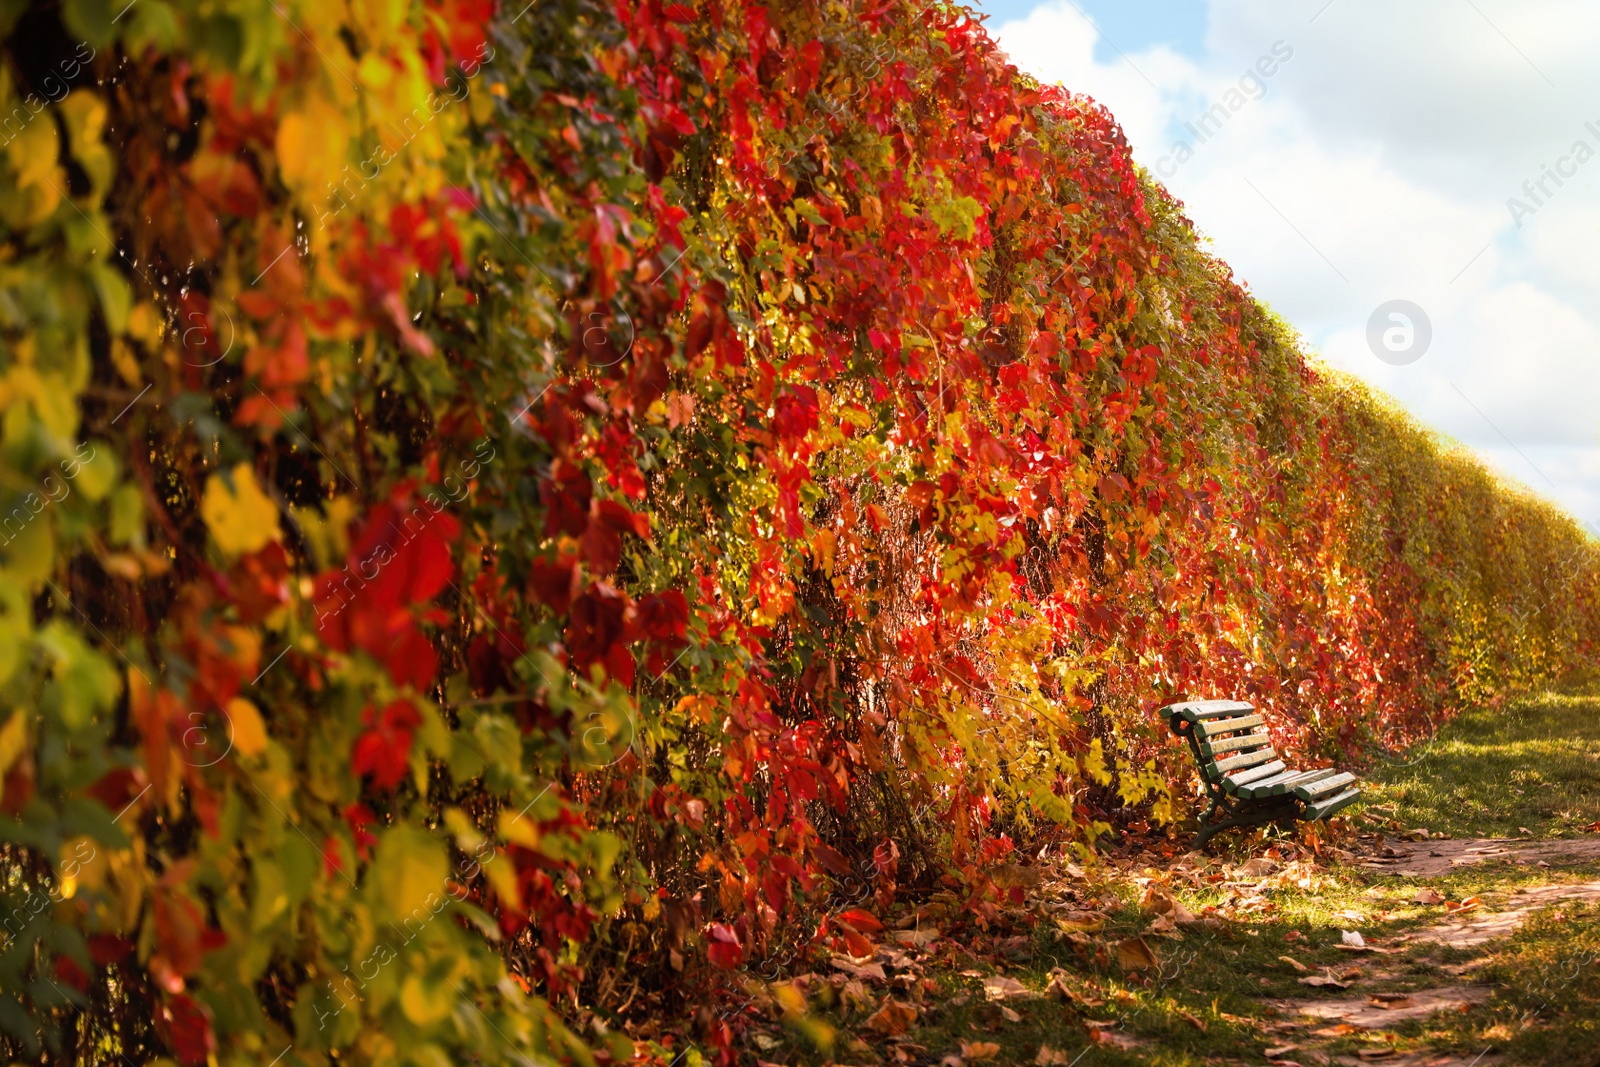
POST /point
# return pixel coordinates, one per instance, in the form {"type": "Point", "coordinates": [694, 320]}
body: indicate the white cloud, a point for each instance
{"type": "Point", "coordinates": [1376, 166]}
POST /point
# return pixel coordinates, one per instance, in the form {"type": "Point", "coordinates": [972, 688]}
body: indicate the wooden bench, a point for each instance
{"type": "Point", "coordinates": [1244, 777]}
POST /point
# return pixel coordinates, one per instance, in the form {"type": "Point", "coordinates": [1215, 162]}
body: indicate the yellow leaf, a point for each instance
{"type": "Point", "coordinates": [13, 740]}
{"type": "Point", "coordinates": [249, 733]}
{"type": "Point", "coordinates": [503, 877]}
{"type": "Point", "coordinates": [33, 153]}
{"type": "Point", "coordinates": [426, 1003]}
{"type": "Point", "coordinates": [1094, 763]}
{"type": "Point", "coordinates": [241, 517]}
{"type": "Point", "coordinates": [312, 146]}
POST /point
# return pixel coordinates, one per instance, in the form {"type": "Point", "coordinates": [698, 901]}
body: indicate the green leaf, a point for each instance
{"type": "Point", "coordinates": [30, 554]}
{"type": "Point", "coordinates": [127, 516]}
{"type": "Point", "coordinates": [270, 895]}
{"type": "Point", "coordinates": [97, 476]}
{"type": "Point", "coordinates": [90, 20]}
{"type": "Point", "coordinates": [410, 868]}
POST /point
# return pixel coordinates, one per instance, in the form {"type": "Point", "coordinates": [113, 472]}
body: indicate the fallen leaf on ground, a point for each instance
{"type": "Point", "coordinates": [1049, 1057]}
{"type": "Point", "coordinates": [915, 938]}
{"type": "Point", "coordinates": [873, 971]}
{"type": "Point", "coordinates": [999, 987]}
{"type": "Point", "coordinates": [1115, 1038]}
{"type": "Point", "coordinates": [1374, 1053]}
{"type": "Point", "coordinates": [1352, 938]}
{"type": "Point", "coordinates": [893, 1018]}
{"type": "Point", "coordinates": [1390, 1000]}
{"type": "Point", "coordinates": [1061, 986]}
{"type": "Point", "coordinates": [1010, 1016]}
{"type": "Point", "coordinates": [1281, 1050]}
{"type": "Point", "coordinates": [1465, 905]}
{"type": "Point", "coordinates": [1428, 896]}
{"type": "Point", "coordinates": [1321, 981]}
{"type": "Point", "coordinates": [1135, 954]}
{"type": "Point", "coordinates": [1296, 964]}
{"type": "Point", "coordinates": [979, 1050]}
{"type": "Point", "coordinates": [1338, 1030]}
{"type": "Point", "coordinates": [1294, 935]}
{"type": "Point", "coordinates": [1194, 1021]}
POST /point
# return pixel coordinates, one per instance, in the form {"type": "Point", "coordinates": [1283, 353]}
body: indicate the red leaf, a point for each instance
{"type": "Point", "coordinates": [864, 921]}
{"type": "Point", "coordinates": [384, 751]}
{"type": "Point", "coordinates": [724, 949]}
{"type": "Point", "coordinates": [185, 1024]}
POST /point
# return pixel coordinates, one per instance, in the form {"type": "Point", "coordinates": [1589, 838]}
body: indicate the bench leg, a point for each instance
{"type": "Point", "coordinates": [1206, 826]}
{"type": "Point", "coordinates": [1251, 815]}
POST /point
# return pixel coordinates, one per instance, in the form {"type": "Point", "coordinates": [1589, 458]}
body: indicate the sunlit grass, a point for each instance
{"type": "Point", "coordinates": [1534, 764]}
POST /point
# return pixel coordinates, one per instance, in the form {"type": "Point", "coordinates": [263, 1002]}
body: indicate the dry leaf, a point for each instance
{"type": "Point", "coordinates": [1336, 1031]}
{"type": "Point", "coordinates": [1009, 1015]}
{"type": "Point", "coordinates": [893, 1018]}
{"type": "Point", "coordinates": [1194, 1021]}
{"type": "Point", "coordinates": [1428, 896]}
{"type": "Point", "coordinates": [1060, 986]}
{"type": "Point", "coordinates": [1374, 1053]}
{"type": "Point", "coordinates": [915, 938]}
{"type": "Point", "coordinates": [1281, 1050]}
{"type": "Point", "coordinates": [1390, 1000]}
{"type": "Point", "coordinates": [1321, 981]}
{"type": "Point", "coordinates": [979, 1050]}
{"type": "Point", "coordinates": [874, 971]}
{"type": "Point", "coordinates": [1296, 964]}
{"type": "Point", "coordinates": [1049, 1057]}
{"type": "Point", "coordinates": [999, 987]}
{"type": "Point", "coordinates": [1135, 954]}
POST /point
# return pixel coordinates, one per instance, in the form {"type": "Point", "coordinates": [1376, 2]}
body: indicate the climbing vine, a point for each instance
{"type": "Point", "coordinates": [504, 509]}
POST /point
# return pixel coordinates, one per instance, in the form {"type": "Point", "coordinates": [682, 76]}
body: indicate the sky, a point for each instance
{"type": "Point", "coordinates": [1414, 186]}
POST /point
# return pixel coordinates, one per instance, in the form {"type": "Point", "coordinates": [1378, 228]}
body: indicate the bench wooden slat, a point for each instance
{"type": "Point", "coordinates": [1254, 774]}
{"type": "Point", "coordinates": [1301, 779]}
{"type": "Point", "coordinates": [1327, 807]}
{"type": "Point", "coordinates": [1228, 744]}
{"type": "Point", "coordinates": [1284, 783]}
{"type": "Point", "coordinates": [1213, 727]}
{"type": "Point", "coordinates": [1198, 710]}
{"type": "Point", "coordinates": [1310, 791]}
{"type": "Point", "coordinates": [1249, 759]}
{"type": "Point", "coordinates": [1267, 786]}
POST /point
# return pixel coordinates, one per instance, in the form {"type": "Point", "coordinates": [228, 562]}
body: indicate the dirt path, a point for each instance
{"type": "Point", "coordinates": [1427, 858]}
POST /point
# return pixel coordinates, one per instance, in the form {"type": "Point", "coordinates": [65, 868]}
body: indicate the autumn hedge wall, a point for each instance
{"type": "Point", "coordinates": [514, 519]}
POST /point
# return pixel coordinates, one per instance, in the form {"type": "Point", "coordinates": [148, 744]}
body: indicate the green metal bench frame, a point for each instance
{"type": "Point", "coordinates": [1244, 778]}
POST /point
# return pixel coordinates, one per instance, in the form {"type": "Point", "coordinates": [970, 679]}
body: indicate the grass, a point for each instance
{"type": "Point", "coordinates": [1491, 773]}
{"type": "Point", "coordinates": [1533, 765]}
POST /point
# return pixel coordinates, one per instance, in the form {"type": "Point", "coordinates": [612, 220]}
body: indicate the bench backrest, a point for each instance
{"type": "Point", "coordinates": [1227, 739]}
